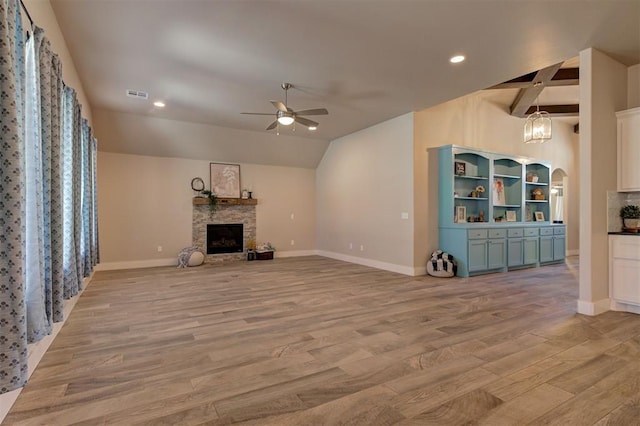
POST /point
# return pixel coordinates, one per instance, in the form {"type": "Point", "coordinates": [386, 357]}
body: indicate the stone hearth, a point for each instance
{"type": "Point", "coordinates": [225, 214]}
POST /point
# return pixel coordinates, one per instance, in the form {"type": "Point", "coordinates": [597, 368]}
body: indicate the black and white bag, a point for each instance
{"type": "Point", "coordinates": [441, 264]}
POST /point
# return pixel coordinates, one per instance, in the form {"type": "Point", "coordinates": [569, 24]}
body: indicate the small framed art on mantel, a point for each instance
{"type": "Point", "coordinates": [225, 180]}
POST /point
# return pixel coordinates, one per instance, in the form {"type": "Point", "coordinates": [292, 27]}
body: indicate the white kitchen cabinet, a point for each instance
{"type": "Point", "coordinates": [624, 272]}
{"type": "Point", "coordinates": [628, 150]}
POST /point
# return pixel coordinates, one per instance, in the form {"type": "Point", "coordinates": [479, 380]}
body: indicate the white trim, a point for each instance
{"type": "Point", "coordinates": [36, 351]}
{"type": "Point", "coordinates": [574, 252]}
{"type": "Point", "coordinates": [400, 269]}
{"type": "Point", "coordinates": [136, 264]}
{"type": "Point", "coordinates": [624, 307]}
{"type": "Point", "coordinates": [594, 308]}
{"type": "Point", "coordinates": [295, 253]}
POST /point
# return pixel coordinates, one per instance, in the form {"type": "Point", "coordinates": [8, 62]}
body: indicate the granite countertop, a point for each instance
{"type": "Point", "coordinates": [633, 234]}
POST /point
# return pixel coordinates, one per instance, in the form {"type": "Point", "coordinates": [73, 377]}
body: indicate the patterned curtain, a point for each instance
{"type": "Point", "coordinates": [13, 338]}
{"type": "Point", "coordinates": [85, 171]}
{"type": "Point", "coordinates": [45, 300]}
{"type": "Point", "coordinates": [95, 249]}
{"type": "Point", "coordinates": [71, 193]}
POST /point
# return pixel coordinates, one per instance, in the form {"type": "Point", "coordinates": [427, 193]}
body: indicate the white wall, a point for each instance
{"type": "Point", "coordinates": [603, 91]}
{"type": "Point", "coordinates": [481, 120]}
{"type": "Point", "coordinates": [43, 16]}
{"type": "Point", "coordinates": [146, 202]}
{"type": "Point", "coordinates": [363, 184]}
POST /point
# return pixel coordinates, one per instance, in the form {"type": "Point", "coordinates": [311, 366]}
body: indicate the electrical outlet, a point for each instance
{"type": "Point", "coordinates": [292, 217]}
{"type": "Point", "coordinates": [159, 249]}
{"type": "Point", "coordinates": [350, 246]}
{"type": "Point", "coordinates": [293, 243]}
{"type": "Point", "coordinates": [361, 247]}
{"type": "Point", "coordinates": [404, 215]}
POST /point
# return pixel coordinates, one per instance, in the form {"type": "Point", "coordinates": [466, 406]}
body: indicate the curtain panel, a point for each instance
{"type": "Point", "coordinates": [13, 323]}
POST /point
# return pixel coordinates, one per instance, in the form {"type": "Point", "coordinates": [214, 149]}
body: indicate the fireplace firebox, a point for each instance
{"type": "Point", "coordinates": [225, 238]}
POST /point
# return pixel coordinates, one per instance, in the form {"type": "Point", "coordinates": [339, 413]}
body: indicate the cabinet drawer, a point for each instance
{"type": "Point", "coordinates": [546, 231]}
{"type": "Point", "coordinates": [497, 233]}
{"type": "Point", "coordinates": [626, 247]}
{"type": "Point", "coordinates": [558, 230]}
{"type": "Point", "coordinates": [531, 232]}
{"type": "Point", "coordinates": [477, 234]}
{"type": "Point", "coordinates": [517, 232]}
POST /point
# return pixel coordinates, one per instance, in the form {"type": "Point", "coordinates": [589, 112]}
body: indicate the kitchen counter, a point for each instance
{"type": "Point", "coordinates": [633, 234]}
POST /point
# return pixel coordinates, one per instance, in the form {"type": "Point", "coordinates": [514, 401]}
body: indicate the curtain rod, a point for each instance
{"type": "Point", "coordinates": [27, 12]}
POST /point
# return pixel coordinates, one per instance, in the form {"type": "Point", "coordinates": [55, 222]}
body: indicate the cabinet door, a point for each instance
{"type": "Point", "coordinates": [546, 249]}
{"type": "Point", "coordinates": [559, 247]}
{"type": "Point", "coordinates": [515, 255]}
{"type": "Point", "coordinates": [629, 152]}
{"type": "Point", "coordinates": [626, 281]}
{"type": "Point", "coordinates": [530, 251]}
{"type": "Point", "coordinates": [477, 255]}
{"type": "Point", "coordinates": [497, 253]}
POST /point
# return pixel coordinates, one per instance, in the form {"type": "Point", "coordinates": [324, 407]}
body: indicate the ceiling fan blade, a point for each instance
{"type": "Point", "coordinates": [279, 106]}
{"type": "Point", "coordinates": [272, 125]}
{"type": "Point", "coordinates": [317, 111]}
{"type": "Point", "coordinates": [306, 121]}
{"type": "Point", "coordinates": [257, 113]}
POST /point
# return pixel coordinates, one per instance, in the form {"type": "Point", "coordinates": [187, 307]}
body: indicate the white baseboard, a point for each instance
{"type": "Point", "coordinates": [400, 269]}
{"type": "Point", "coordinates": [295, 253]}
{"type": "Point", "coordinates": [36, 351]}
{"type": "Point", "coordinates": [136, 264]}
{"type": "Point", "coordinates": [594, 308]}
{"type": "Point", "coordinates": [575, 252]}
{"type": "Point", "coordinates": [624, 307]}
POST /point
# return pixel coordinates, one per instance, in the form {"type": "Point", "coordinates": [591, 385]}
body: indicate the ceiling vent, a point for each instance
{"type": "Point", "coordinates": [137, 94]}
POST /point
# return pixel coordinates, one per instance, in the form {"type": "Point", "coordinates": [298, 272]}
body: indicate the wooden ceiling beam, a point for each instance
{"type": "Point", "coordinates": [526, 97]}
{"type": "Point", "coordinates": [571, 110]}
{"type": "Point", "coordinates": [564, 77]}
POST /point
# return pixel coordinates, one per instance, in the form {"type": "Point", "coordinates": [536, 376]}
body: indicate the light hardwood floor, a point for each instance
{"type": "Point", "coordinates": [316, 341]}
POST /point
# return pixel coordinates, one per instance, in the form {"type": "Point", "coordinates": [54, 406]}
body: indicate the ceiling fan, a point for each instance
{"type": "Point", "coordinates": [287, 116]}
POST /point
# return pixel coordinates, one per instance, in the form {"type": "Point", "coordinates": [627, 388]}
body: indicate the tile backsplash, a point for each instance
{"type": "Point", "coordinates": [615, 200]}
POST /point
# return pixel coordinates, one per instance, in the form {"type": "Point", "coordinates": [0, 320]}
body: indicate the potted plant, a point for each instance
{"type": "Point", "coordinates": [630, 216]}
{"type": "Point", "coordinates": [213, 200]}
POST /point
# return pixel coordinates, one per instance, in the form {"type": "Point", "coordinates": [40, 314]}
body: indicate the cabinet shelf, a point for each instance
{"type": "Point", "coordinates": [536, 201]}
{"type": "Point", "coordinates": [510, 206]}
{"type": "Point", "coordinates": [471, 177]}
{"type": "Point", "coordinates": [537, 183]}
{"type": "Point", "coordinates": [507, 176]}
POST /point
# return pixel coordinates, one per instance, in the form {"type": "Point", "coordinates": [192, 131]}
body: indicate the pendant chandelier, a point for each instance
{"type": "Point", "coordinates": [537, 126]}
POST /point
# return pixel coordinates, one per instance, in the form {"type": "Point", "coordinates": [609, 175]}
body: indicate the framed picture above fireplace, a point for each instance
{"type": "Point", "coordinates": [225, 180]}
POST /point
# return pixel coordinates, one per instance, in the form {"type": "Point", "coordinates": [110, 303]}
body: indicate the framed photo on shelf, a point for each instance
{"type": "Point", "coordinates": [511, 216]}
{"type": "Point", "coordinates": [539, 216]}
{"type": "Point", "coordinates": [461, 214]}
{"type": "Point", "coordinates": [225, 180]}
{"type": "Point", "coordinates": [498, 192]}
{"type": "Point", "coordinates": [460, 168]}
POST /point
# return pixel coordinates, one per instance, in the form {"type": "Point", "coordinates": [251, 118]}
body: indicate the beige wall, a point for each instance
{"type": "Point", "coordinates": [481, 120]}
{"type": "Point", "coordinates": [603, 91]}
{"type": "Point", "coordinates": [633, 79]}
{"type": "Point", "coordinates": [364, 184]}
{"type": "Point", "coordinates": [145, 202]}
{"type": "Point", "coordinates": [43, 16]}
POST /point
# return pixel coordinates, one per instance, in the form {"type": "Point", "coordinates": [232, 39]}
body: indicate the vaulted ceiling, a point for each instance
{"type": "Point", "coordinates": [365, 61]}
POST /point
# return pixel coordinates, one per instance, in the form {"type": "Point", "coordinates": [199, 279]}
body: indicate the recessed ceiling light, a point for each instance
{"type": "Point", "coordinates": [159, 104]}
{"type": "Point", "coordinates": [312, 128]}
{"type": "Point", "coordinates": [456, 59]}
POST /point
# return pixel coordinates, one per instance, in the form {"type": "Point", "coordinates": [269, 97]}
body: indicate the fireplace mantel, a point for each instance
{"type": "Point", "coordinates": [203, 201]}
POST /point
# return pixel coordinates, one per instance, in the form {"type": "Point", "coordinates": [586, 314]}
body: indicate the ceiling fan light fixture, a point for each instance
{"type": "Point", "coordinates": [285, 118]}
{"type": "Point", "coordinates": [312, 128]}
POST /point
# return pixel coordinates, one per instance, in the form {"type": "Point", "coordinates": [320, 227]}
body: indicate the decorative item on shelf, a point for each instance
{"type": "Point", "coordinates": [250, 195]}
{"type": "Point", "coordinates": [532, 177]}
{"type": "Point", "coordinates": [630, 215]}
{"type": "Point", "coordinates": [537, 194]}
{"type": "Point", "coordinates": [460, 168]}
{"type": "Point", "coordinates": [225, 179]}
{"type": "Point", "coordinates": [539, 216]}
{"type": "Point", "coordinates": [537, 126]}
{"type": "Point", "coordinates": [197, 185]}
{"type": "Point", "coordinates": [461, 214]}
{"type": "Point", "coordinates": [455, 195]}
{"type": "Point", "coordinates": [498, 218]}
{"type": "Point", "coordinates": [213, 200]}
{"type": "Point", "coordinates": [481, 216]}
{"type": "Point", "coordinates": [498, 192]}
{"type": "Point", "coordinates": [245, 194]}
{"type": "Point", "coordinates": [511, 216]}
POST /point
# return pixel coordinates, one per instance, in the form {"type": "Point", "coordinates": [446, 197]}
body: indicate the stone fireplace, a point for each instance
{"type": "Point", "coordinates": [229, 212]}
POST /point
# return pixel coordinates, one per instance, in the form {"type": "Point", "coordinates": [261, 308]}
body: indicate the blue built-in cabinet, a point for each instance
{"type": "Point", "coordinates": [493, 210]}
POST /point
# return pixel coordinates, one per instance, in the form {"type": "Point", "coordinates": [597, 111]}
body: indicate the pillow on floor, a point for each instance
{"type": "Point", "coordinates": [441, 265]}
